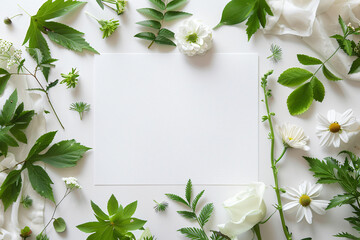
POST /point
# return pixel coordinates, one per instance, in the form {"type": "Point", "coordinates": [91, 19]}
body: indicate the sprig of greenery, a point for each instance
{"type": "Point", "coordinates": [59, 33]}
{"type": "Point", "coordinates": [80, 107]}
{"type": "Point", "coordinates": [63, 154]}
{"type": "Point", "coordinates": [276, 53]}
{"type": "Point", "coordinates": [164, 12]}
{"type": "Point", "coordinates": [71, 79]}
{"type": "Point", "coordinates": [117, 224]}
{"type": "Point", "coordinates": [300, 100]}
{"type": "Point", "coordinates": [202, 218]}
{"type": "Point", "coordinates": [254, 11]}
{"type": "Point", "coordinates": [161, 207]}
{"type": "Point", "coordinates": [108, 27]}
{"type": "Point", "coordinates": [13, 121]}
{"type": "Point", "coordinates": [119, 5]}
{"type": "Point", "coordinates": [26, 201]}
{"type": "Point", "coordinates": [25, 232]}
{"type": "Point", "coordinates": [347, 175]}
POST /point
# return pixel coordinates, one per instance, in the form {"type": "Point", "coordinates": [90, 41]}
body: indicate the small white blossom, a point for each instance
{"type": "Point", "coordinates": [293, 136]}
{"type": "Point", "coordinates": [9, 54]}
{"type": "Point", "coordinates": [351, 26]}
{"type": "Point", "coordinates": [193, 37]}
{"type": "Point", "coordinates": [71, 183]}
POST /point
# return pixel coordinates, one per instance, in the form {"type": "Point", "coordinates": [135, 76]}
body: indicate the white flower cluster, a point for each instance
{"type": "Point", "coordinates": [71, 183]}
{"type": "Point", "coordinates": [9, 54]}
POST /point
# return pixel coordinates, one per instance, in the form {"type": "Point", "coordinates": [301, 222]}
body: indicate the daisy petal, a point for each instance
{"type": "Point", "coordinates": [315, 191]}
{"type": "Point", "coordinates": [300, 214]}
{"type": "Point", "coordinates": [308, 215]}
{"type": "Point", "coordinates": [290, 205]}
{"type": "Point", "coordinates": [318, 207]}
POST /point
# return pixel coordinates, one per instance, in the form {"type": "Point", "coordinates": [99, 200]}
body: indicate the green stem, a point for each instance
{"type": "Point", "coordinates": [16, 15]}
{"type": "Point", "coordinates": [256, 229]}
{"type": "Point", "coordinates": [282, 154]}
{"type": "Point", "coordinates": [24, 10]}
{"type": "Point", "coordinates": [91, 16]}
{"type": "Point", "coordinates": [274, 168]}
{"type": "Point", "coordinates": [162, 22]}
{"type": "Point", "coordinates": [323, 64]}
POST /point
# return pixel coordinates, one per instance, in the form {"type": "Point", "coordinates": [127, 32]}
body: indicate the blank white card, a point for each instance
{"type": "Point", "coordinates": [166, 118]}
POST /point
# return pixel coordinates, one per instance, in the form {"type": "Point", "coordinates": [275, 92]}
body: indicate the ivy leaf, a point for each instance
{"type": "Point", "coordinates": [164, 41]}
{"type": "Point", "coordinates": [318, 89]}
{"type": "Point", "coordinates": [307, 60]}
{"type": "Point", "coordinates": [339, 200]}
{"type": "Point", "coordinates": [205, 214]}
{"type": "Point", "coordinates": [40, 181]}
{"type": "Point", "coordinates": [158, 3]}
{"type": "Point", "coordinates": [236, 11]}
{"type": "Point", "coordinates": [173, 15]}
{"type": "Point", "coordinates": [355, 67]}
{"type": "Point", "coordinates": [293, 77]}
{"type": "Point", "coordinates": [4, 78]}
{"type": "Point", "coordinates": [152, 13]}
{"type": "Point", "coordinates": [10, 189]}
{"type": "Point", "coordinates": [146, 35]}
{"type": "Point", "coordinates": [150, 23]}
{"type": "Point", "coordinates": [329, 75]}
{"type": "Point", "coordinates": [300, 99]}
{"type": "Point", "coordinates": [59, 225]}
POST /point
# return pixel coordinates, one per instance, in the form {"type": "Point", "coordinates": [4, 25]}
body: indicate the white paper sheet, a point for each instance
{"type": "Point", "coordinates": [165, 118]}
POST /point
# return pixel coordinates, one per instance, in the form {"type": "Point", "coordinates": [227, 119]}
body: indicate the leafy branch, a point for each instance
{"type": "Point", "coordinates": [347, 175]}
{"type": "Point", "coordinates": [300, 100]}
{"type": "Point", "coordinates": [164, 12]}
{"type": "Point", "coordinates": [63, 154]}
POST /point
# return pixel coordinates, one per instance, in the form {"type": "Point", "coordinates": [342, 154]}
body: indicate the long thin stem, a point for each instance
{"type": "Point", "coordinates": [323, 64]}
{"type": "Point", "coordinates": [282, 155]}
{"type": "Point", "coordinates": [273, 165]}
{"type": "Point", "coordinates": [257, 231]}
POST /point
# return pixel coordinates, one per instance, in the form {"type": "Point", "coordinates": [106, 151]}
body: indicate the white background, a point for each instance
{"type": "Point", "coordinates": [293, 170]}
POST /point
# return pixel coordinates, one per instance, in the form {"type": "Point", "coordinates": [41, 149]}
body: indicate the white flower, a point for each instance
{"type": "Point", "coordinates": [246, 209]}
{"type": "Point", "coordinates": [336, 128]}
{"type": "Point", "coordinates": [71, 183]}
{"type": "Point", "coordinates": [193, 37]}
{"type": "Point", "coordinates": [293, 136]}
{"type": "Point", "coordinates": [9, 54]}
{"type": "Point", "coordinates": [303, 200]}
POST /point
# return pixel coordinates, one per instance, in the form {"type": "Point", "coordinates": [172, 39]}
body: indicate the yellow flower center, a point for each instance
{"type": "Point", "coordinates": [290, 138]}
{"type": "Point", "coordinates": [334, 127]}
{"type": "Point", "coordinates": [305, 200]}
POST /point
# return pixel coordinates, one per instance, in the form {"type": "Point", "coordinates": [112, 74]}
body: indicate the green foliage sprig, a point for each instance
{"type": "Point", "coordinates": [347, 175]}
{"type": "Point", "coordinates": [80, 107]}
{"type": "Point", "coordinates": [108, 27]}
{"type": "Point", "coordinates": [63, 154]}
{"type": "Point", "coordinates": [276, 53]}
{"type": "Point", "coordinates": [71, 79]}
{"type": "Point", "coordinates": [13, 121]}
{"type": "Point", "coordinates": [59, 33]}
{"type": "Point", "coordinates": [164, 12]}
{"type": "Point", "coordinates": [300, 100]}
{"type": "Point", "coordinates": [119, 5]}
{"type": "Point", "coordinates": [160, 206]}
{"type": "Point", "coordinates": [26, 201]}
{"type": "Point", "coordinates": [202, 218]}
{"type": "Point", "coordinates": [254, 11]}
{"type": "Point", "coordinates": [117, 224]}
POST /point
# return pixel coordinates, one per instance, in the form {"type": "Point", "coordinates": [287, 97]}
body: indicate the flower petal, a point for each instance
{"type": "Point", "coordinates": [291, 205]}
{"type": "Point", "coordinates": [300, 214]}
{"type": "Point", "coordinates": [308, 215]}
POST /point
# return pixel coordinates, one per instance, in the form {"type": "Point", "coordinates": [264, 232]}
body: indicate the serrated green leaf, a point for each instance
{"type": "Point", "coordinates": [175, 4]}
{"type": "Point", "coordinates": [329, 75]}
{"type": "Point", "coordinates": [173, 15]}
{"type": "Point", "coordinates": [150, 23]}
{"type": "Point", "coordinates": [19, 135]}
{"type": "Point", "coordinates": [187, 214]}
{"type": "Point", "coordinates": [293, 77]}
{"type": "Point", "coordinates": [346, 235]}
{"type": "Point", "coordinates": [188, 191]}
{"type": "Point", "coordinates": [100, 3]}
{"type": "Point", "coordinates": [340, 200]}
{"type": "Point", "coordinates": [343, 25]}
{"type": "Point", "coordinates": [166, 33]}
{"type": "Point", "coordinates": [307, 60]}
{"type": "Point", "coordinates": [40, 181]}
{"type": "Point", "coordinates": [253, 24]}
{"type": "Point", "coordinates": [152, 13]}
{"type": "Point", "coordinates": [323, 170]}
{"type": "Point", "coordinates": [196, 200]}
{"type": "Point", "coordinates": [164, 41]}
{"type": "Point", "coordinates": [194, 233]}
{"type": "Point", "coordinates": [53, 9]}
{"type": "Point", "coordinates": [4, 78]}
{"type": "Point", "coordinates": [236, 11]}
{"type": "Point", "coordinates": [355, 66]}
{"type": "Point", "coordinates": [41, 144]}
{"type": "Point", "coordinates": [59, 225]}
{"type": "Point", "coordinates": [146, 35]}
{"type": "Point", "coordinates": [67, 37]}
{"type": "Point", "coordinates": [10, 188]}
{"type": "Point", "coordinates": [158, 3]}
{"type": "Point", "coordinates": [205, 214]}
{"type": "Point", "coordinates": [318, 89]}
{"type": "Point", "coordinates": [300, 100]}
{"type": "Point", "coordinates": [176, 198]}
{"type": "Point", "coordinates": [263, 9]}
{"type": "Point", "coordinates": [8, 109]}
{"type": "Point", "coordinates": [112, 205]}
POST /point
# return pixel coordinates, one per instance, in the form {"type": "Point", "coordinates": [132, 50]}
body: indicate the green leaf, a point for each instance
{"type": "Point", "coordinates": [346, 235]}
{"type": "Point", "coordinates": [166, 33]}
{"type": "Point", "coordinates": [164, 41]}
{"type": "Point", "coordinates": [59, 225]}
{"type": "Point", "coordinates": [307, 60]}
{"type": "Point", "coordinates": [236, 11]}
{"type": "Point", "coordinates": [194, 233]}
{"type": "Point", "coordinates": [63, 154]}
{"type": "Point", "coordinates": [9, 108]}
{"type": "Point", "coordinates": [92, 226]}
{"type": "Point", "coordinates": [253, 24]}
{"type": "Point", "coordinates": [98, 212]}
{"type": "Point", "coordinates": [340, 200]}
{"type": "Point", "coordinates": [173, 15]}
{"type": "Point", "coordinates": [196, 200]}
{"type": "Point", "coordinates": [343, 25]}
{"type": "Point", "coordinates": [152, 13]}
{"type": "Point", "coordinates": [10, 189]}
{"type": "Point", "coordinates": [187, 214]}
{"type": "Point", "coordinates": [53, 9]}
{"type": "Point", "coordinates": [158, 3]}
{"type": "Point", "coordinates": [175, 4]}
{"type": "Point", "coordinates": [100, 3]}
{"type": "Point", "coordinates": [130, 209]}
{"type": "Point", "coordinates": [205, 214]}
{"type": "Point", "coordinates": [329, 75]}
{"type": "Point", "coordinates": [67, 37]}
{"type": "Point", "coordinates": [19, 135]}
{"type": "Point", "coordinates": [40, 181]}
{"type": "Point", "coordinates": [293, 77]}
{"type": "Point", "coordinates": [355, 67]}
{"type": "Point", "coordinates": [131, 224]}
{"type": "Point", "coordinates": [299, 101]}
{"type": "Point", "coordinates": [150, 23]}
{"type": "Point", "coordinates": [188, 191]}
{"type": "Point", "coordinates": [41, 144]}
{"type": "Point", "coordinates": [176, 198]}
{"type": "Point", "coordinates": [347, 47]}
{"type": "Point", "coordinates": [318, 89]}
{"type": "Point", "coordinates": [4, 78]}
{"type": "Point", "coordinates": [146, 35]}
{"type": "Point", "coordinates": [112, 205]}
{"type": "Point", "coordinates": [323, 170]}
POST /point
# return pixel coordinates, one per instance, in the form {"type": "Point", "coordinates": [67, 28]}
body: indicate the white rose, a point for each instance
{"type": "Point", "coordinates": [246, 209]}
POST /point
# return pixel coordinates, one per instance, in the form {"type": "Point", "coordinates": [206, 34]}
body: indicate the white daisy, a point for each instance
{"type": "Point", "coordinates": [303, 200]}
{"type": "Point", "coordinates": [293, 136]}
{"type": "Point", "coordinates": [336, 128]}
{"type": "Point", "coordinates": [193, 37]}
